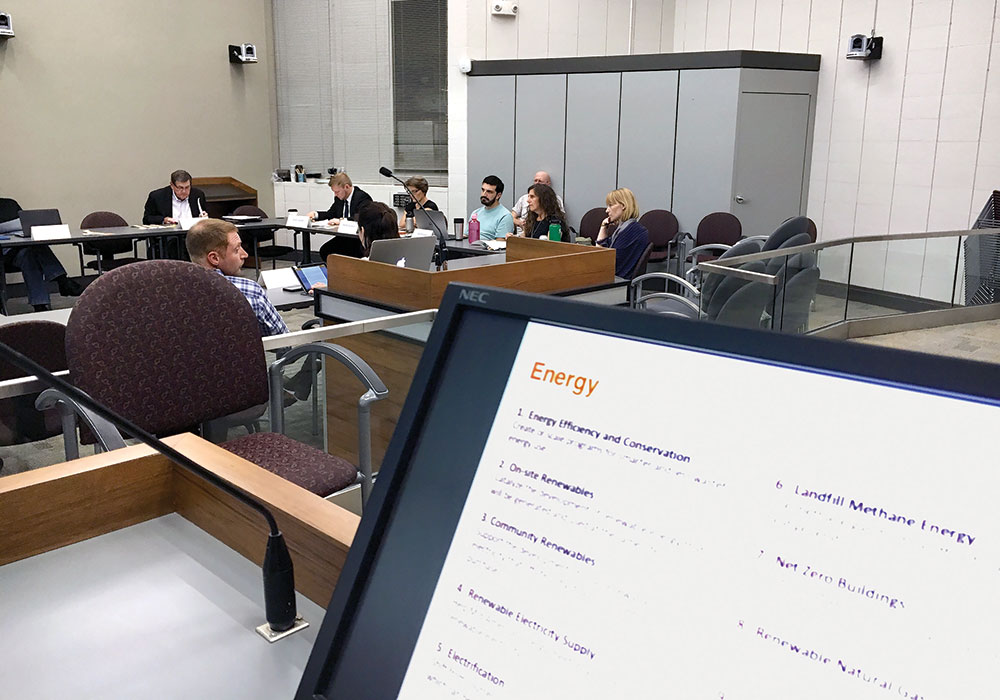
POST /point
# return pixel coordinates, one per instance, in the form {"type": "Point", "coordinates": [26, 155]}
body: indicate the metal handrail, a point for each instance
{"type": "Point", "coordinates": [725, 265]}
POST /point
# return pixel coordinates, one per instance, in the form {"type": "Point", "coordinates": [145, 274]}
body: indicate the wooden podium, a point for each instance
{"type": "Point", "coordinates": [532, 265]}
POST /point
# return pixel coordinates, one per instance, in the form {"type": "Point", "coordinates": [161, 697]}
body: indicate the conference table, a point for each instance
{"type": "Point", "coordinates": [460, 248]}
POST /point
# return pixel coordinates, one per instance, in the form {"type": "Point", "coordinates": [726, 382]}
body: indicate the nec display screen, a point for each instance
{"type": "Point", "coordinates": [640, 519]}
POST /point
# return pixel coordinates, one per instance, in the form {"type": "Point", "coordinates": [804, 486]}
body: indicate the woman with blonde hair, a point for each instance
{"type": "Point", "coordinates": [630, 238]}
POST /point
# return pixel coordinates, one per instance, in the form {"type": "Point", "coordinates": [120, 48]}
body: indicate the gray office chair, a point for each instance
{"type": "Point", "coordinates": [693, 291]}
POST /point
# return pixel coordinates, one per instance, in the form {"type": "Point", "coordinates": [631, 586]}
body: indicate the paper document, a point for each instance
{"type": "Point", "coordinates": [278, 278]}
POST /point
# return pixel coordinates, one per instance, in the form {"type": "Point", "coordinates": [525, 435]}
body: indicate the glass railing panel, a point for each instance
{"type": "Point", "coordinates": [830, 303]}
{"type": "Point", "coordinates": [939, 272]}
{"type": "Point", "coordinates": [867, 295]}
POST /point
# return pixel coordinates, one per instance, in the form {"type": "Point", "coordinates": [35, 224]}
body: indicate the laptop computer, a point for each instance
{"type": "Point", "coordinates": [422, 218]}
{"type": "Point", "coordinates": [404, 252]}
{"type": "Point", "coordinates": [37, 217]}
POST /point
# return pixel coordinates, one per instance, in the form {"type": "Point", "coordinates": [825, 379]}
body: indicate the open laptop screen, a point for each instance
{"type": "Point", "coordinates": [599, 512]}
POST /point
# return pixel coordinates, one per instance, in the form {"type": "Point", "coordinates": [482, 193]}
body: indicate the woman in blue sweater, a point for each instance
{"type": "Point", "coordinates": [630, 238]}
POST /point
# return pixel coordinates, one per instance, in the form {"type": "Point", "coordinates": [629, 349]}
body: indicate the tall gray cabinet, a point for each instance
{"type": "Point", "coordinates": [693, 133]}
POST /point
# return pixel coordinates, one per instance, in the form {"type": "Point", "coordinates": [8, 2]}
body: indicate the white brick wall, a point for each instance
{"type": "Point", "coordinates": [903, 144]}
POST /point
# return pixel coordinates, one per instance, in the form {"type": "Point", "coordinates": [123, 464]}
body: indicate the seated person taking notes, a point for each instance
{"type": "Point", "coordinates": [38, 264]}
{"type": "Point", "coordinates": [168, 205]}
{"type": "Point", "coordinates": [630, 237]}
{"type": "Point", "coordinates": [347, 202]}
{"type": "Point", "coordinates": [495, 221]}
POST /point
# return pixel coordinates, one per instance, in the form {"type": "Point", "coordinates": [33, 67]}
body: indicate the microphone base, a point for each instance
{"type": "Point", "coordinates": [271, 636]}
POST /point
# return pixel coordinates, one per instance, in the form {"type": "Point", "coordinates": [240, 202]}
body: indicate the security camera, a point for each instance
{"type": "Point", "coordinates": [504, 7]}
{"type": "Point", "coordinates": [242, 53]}
{"type": "Point", "coordinates": [864, 48]}
{"type": "Point", "coordinates": [6, 26]}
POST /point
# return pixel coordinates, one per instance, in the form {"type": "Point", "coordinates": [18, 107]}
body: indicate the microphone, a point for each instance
{"type": "Point", "coordinates": [442, 250]}
{"type": "Point", "coordinates": [279, 578]}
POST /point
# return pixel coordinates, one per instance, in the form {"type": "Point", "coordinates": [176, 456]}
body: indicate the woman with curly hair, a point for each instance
{"type": "Point", "coordinates": [544, 210]}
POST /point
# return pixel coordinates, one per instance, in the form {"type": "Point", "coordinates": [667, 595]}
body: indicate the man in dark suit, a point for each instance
{"type": "Point", "coordinates": [168, 205]}
{"type": "Point", "coordinates": [347, 202]}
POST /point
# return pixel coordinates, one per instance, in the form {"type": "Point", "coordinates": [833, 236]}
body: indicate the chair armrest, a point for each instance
{"type": "Point", "coordinates": [637, 281]}
{"type": "Point", "coordinates": [311, 323]}
{"type": "Point", "coordinates": [755, 238]}
{"type": "Point", "coordinates": [106, 433]}
{"type": "Point", "coordinates": [641, 301]}
{"type": "Point", "coordinates": [376, 391]}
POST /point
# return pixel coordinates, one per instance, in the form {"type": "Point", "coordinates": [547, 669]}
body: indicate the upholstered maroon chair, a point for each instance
{"type": "Point", "coordinates": [170, 346]}
{"type": "Point", "coordinates": [590, 224]}
{"type": "Point", "coordinates": [663, 227]}
{"type": "Point", "coordinates": [43, 342]}
{"type": "Point", "coordinates": [720, 230]}
{"type": "Point", "coordinates": [106, 250]}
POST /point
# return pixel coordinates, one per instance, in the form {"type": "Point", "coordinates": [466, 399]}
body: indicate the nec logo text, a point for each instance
{"type": "Point", "coordinates": [473, 295]}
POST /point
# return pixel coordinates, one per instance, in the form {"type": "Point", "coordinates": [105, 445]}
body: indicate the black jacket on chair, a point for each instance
{"type": "Point", "coordinates": [358, 198]}
{"type": "Point", "coordinates": [159, 204]}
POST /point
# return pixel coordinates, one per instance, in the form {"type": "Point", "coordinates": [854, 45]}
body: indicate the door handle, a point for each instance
{"type": "Point", "coordinates": [740, 199]}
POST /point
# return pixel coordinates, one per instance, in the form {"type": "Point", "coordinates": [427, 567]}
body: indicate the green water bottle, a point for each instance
{"type": "Point", "coordinates": [555, 232]}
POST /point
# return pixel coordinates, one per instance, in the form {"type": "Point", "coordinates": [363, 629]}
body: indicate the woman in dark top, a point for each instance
{"type": "Point", "coordinates": [543, 210]}
{"type": "Point", "coordinates": [417, 186]}
{"type": "Point", "coordinates": [630, 238]}
{"type": "Point", "coordinates": [376, 221]}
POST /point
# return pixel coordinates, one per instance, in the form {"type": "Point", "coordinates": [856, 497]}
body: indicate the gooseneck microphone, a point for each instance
{"type": "Point", "coordinates": [442, 250]}
{"type": "Point", "coordinates": [279, 578]}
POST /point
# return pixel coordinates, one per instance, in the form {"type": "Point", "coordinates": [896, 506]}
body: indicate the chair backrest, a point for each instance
{"type": "Point", "coordinates": [45, 343]}
{"type": "Point", "coordinates": [740, 302]}
{"type": "Point", "coordinates": [718, 227]}
{"type": "Point", "coordinates": [799, 260]}
{"type": "Point", "coordinates": [590, 224]}
{"type": "Point", "coordinates": [662, 226]}
{"type": "Point", "coordinates": [102, 219]}
{"type": "Point", "coordinates": [105, 219]}
{"type": "Point", "coordinates": [641, 263]}
{"type": "Point", "coordinates": [791, 313]}
{"type": "Point", "coordinates": [711, 281]}
{"type": "Point", "coordinates": [250, 210]}
{"type": "Point", "coordinates": [787, 229]}
{"type": "Point", "coordinates": [167, 344]}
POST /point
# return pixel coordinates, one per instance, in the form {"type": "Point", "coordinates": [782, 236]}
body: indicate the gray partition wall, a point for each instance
{"type": "Point", "coordinates": [646, 137]}
{"type": "Point", "coordinates": [685, 132]}
{"type": "Point", "coordinates": [491, 139]}
{"type": "Point", "coordinates": [592, 116]}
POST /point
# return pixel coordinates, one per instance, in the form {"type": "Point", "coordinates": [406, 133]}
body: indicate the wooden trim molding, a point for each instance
{"type": "Point", "coordinates": [48, 508]}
